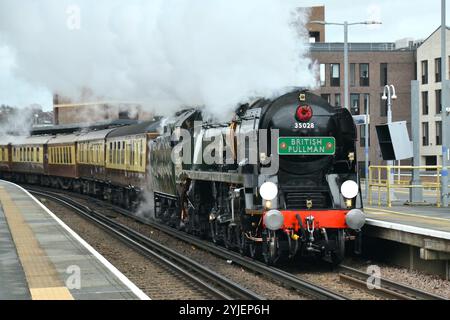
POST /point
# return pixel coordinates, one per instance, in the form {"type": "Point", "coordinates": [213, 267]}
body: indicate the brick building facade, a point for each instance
{"type": "Point", "coordinates": [372, 66]}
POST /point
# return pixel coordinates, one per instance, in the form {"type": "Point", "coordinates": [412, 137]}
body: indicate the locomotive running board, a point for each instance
{"type": "Point", "coordinates": [234, 178]}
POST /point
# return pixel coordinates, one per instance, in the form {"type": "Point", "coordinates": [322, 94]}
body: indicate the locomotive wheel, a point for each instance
{"type": "Point", "coordinates": [241, 242]}
{"type": "Point", "coordinates": [254, 249]}
{"type": "Point", "coordinates": [338, 255]}
{"type": "Point", "coordinates": [228, 236]}
{"type": "Point", "coordinates": [270, 248]}
{"type": "Point", "coordinates": [213, 233]}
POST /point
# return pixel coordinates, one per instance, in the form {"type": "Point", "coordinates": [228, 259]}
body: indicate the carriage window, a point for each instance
{"type": "Point", "coordinates": [38, 156]}
{"type": "Point", "coordinates": [115, 153]}
{"type": "Point", "coordinates": [123, 152]}
{"type": "Point", "coordinates": [141, 156]}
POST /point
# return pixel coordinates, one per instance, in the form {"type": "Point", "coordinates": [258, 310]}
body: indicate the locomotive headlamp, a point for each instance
{"type": "Point", "coordinates": [268, 204]}
{"type": "Point", "coordinates": [355, 219]}
{"type": "Point", "coordinates": [268, 191]}
{"type": "Point", "coordinates": [273, 220]}
{"type": "Point", "coordinates": [349, 189]}
{"type": "Point", "coordinates": [304, 113]}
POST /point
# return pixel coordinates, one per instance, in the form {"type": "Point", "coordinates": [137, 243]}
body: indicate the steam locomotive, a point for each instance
{"type": "Point", "coordinates": [278, 180]}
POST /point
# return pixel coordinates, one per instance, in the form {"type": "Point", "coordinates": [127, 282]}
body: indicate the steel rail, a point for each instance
{"type": "Point", "coordinates": [283, 277]}
{"type": "Point", "coordinates": [286, 279]}
{"type": "Point", "coordinates": [387, 289]}
{"type": "Point", "coordinates": [152, 249]}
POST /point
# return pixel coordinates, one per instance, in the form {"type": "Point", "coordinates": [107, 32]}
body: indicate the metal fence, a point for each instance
{"type": "Point", "coordinates": [355, 47]}
{"type": "Point", "coordinates": [390, 178]}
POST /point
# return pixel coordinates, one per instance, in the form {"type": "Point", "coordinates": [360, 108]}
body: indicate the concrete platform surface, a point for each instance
{"type": "Point", "coordinates": [41, 258]}
{"type": "Point", "coordinates": [429, 221]}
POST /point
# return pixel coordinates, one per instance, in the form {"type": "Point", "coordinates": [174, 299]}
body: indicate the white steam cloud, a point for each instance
{"type": "Point", "coordinates": [164, 53]}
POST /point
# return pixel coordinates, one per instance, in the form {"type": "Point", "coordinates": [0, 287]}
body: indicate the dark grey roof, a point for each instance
{"type": "Point", "coordinates": [71, 128]}
{"type": "Point", "coordinates": [141, 128]}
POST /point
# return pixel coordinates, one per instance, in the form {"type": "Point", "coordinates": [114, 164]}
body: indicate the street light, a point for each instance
{"type": "Point", "coordinates": [391, 95]}
{"type": "Point", "coordinates": [346, 24]}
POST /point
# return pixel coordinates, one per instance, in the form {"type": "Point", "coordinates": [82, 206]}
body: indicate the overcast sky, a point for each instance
{"type": "Point", "coordinates": [416, 19]}
{"type": "Point", "coordinates": [401, 18]}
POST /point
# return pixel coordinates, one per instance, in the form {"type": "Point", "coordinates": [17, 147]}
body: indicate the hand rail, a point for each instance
{"type": "Point", "coordinates": [380, 177]}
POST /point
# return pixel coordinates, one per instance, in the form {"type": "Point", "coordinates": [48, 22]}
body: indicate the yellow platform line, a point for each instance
{"type": "Point", "coordinates": [42, 277]}
{"type": "Point", "coordinates": [377, 210]}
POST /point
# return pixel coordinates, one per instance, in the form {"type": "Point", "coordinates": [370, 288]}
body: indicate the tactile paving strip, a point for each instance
{"type": "Point", "coordinates": [41, 274]}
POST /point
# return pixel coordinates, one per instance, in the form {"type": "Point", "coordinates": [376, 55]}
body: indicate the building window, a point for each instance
{"type": "Point", "coordinates": [353, 74]}
{"type": "Point", "coordinates": [326, 97]}
{"type": "Point", "coordinates": [425, 72]}
{"type": "Point", "coordinates": [335, 75]}
{"type": "Point", "coordinates": [425, 103]}
{"type": "Point", "coordinates": [355, 104]}
{"type": "Point", "coordinates": [383, 74]}
{"type": "Point", "coordinates": [314, 36]}
{"type": "Point", "coordinates": [430, 161]}
{"type": "Point", "coordinates": [364, 74]}
{"type": "Point", "coordinates": [337, 100]}
{"type": "Point", "coordinates": [439, 133]}
{"type": "Point", "coordinates": [362, 141]}
{"type": "Point", "coordinates": [437, 70]}
{"type": "Point", "coordinates": [383, 106]}
{"type": "Point", "coordinates": [438, 101]}
{"type": "Point", "coordinates": [322, 71]}
{"type": "Point", "coordinates": [425, 134]}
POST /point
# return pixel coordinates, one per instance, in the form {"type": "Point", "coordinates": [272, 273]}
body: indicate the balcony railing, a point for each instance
{"type": "Point", "coordinates": [355, 47]}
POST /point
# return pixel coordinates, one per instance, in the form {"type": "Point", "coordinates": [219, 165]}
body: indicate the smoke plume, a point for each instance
{"type": "Point", "coordinates": [164, 53]}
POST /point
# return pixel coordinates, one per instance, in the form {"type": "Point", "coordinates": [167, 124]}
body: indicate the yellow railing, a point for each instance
{"type": "Point", "coordinates": [389, 178]}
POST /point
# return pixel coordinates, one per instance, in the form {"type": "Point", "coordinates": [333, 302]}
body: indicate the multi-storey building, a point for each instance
{"type": "Point", "coordinates": [371, 67]}
{"type": "Point", "coordinates": [430, 78]}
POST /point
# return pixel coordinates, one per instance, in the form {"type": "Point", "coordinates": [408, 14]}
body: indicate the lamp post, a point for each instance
{"type": "Point", "coordinates": [391, 95]}
{"type": "Point", "coordinates": [366, 147]}
{"type": "Point", "coordinates": [346, 24]}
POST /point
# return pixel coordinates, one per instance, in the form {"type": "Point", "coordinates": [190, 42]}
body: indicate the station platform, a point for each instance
{"type": "Point", "coordinates": [424, 232]}
{"type": "Point", "coordinates": [41, 258]}
{"type": "Point", "coordinates": [428, 221]}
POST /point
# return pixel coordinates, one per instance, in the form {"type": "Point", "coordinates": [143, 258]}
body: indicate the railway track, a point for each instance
{"type": "Point", "coordinates": [354, 277]}
{"type": "Point", "coordinates": [387, 289]}
{"type": "Point", "coordinates": [288, 280]}
{"type": "Point", "coordinates": [204, 279]}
